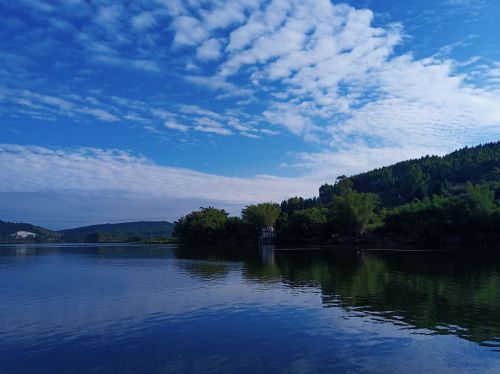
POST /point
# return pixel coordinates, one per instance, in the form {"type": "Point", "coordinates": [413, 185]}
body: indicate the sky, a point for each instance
{"type": "Point", "coordinates": [118, 111]}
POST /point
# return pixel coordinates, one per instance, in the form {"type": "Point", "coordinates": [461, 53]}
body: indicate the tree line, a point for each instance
{"type": "Point", "coordinates": [452, 199]}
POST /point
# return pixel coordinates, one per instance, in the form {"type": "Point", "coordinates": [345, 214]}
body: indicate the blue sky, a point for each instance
{"type": "Point", "coordinates": [116, 110]}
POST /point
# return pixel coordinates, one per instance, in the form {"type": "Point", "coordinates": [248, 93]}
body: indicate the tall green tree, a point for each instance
{"type": "Point", "coordinates": [261, 215]}
{"type": "Point", "coordinates": [205, 225]}
{"type": "Point", "coordinates": [414, 184]}
{"type": "Point", "coordinates": [343, 185]}
{"type": "Point", "coordinates": [481, 199]}
{"type": "Point", "coordinates": [353, 211]}
{"type": "Point", "coordinates": [327, 192]}
{"type": "Point", "coordinates": [304, 226]}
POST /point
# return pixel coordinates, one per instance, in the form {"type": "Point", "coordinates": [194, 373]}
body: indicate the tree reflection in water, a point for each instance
{"type": "Point", "coordinates": [444, 292]}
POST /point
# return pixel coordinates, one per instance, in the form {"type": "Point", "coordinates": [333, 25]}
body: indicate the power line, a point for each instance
{"type": "Point", "coordinates": [110, 219]}
{"type": "Point", "coordinates": [193, 207]}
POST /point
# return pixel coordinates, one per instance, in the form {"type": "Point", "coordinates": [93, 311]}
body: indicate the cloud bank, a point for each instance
{"type": "Point", "coordinates": [39, 169]}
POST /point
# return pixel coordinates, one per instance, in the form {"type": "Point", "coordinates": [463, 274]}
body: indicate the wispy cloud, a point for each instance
{"type": "Point", "coordinates": [176, 126]}
{"type": "Point", "coordinates": [51, 107]}
{"type": "Point", "coordinates": [143, 20]}
{"type": "Point", "coordinates": [209, 50]}
{"type": "Point", "coordinates": [188, 31]}
{"type": "Point", "coordinates": [81, 108]}
{"type": "Point", "coordinates": [40, 169]}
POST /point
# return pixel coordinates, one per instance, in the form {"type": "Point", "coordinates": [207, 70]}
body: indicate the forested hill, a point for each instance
{"type": "Point", "coordinates": [143, 230]}
{"type": "Point", "coordinates": [447, 175]}
{"type": "Point", "coordinates": [449, 200]}
{"type": "Point", "coordinates": [8, 232]}
{"type": "Point", "coordinates": [118, 232]}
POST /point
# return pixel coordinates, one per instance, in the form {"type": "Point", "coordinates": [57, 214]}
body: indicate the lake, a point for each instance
{"type": "Point", "coordinates": [168, 309]}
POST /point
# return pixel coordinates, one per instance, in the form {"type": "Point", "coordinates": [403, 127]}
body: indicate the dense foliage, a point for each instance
{"type": "Point", "coordinates": [405, 181]}
{"type": "Point", "coordinates": [208, 225]}
{"type": "Point", "coordinates": [260, 215]}
{"type": "Point", "coordinates": [437, 200]}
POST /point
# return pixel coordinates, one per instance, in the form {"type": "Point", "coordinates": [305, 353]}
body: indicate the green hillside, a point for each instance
{"type": "Point", "coordinates": [453, 199]}
{"type": "Point", "coordinates": [447, 175]}
{"type": "Point", "coordinates": [115, 232]}
{"type": "Point", "coordinates": [8, 230]}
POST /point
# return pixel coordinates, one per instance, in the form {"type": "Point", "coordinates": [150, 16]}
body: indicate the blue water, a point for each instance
{"type": "Point", "coordinates": [128, 309]}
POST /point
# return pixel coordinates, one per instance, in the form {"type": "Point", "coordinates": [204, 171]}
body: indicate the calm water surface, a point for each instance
{"type": "Point", "coordinates": [121, 309]}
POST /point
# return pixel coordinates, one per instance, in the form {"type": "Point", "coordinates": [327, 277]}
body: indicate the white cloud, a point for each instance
{"type": "Point", "coordinates": [39, 5]}
{"type": "Point", "coordinates": [289, 116]}
{"type": "Point", "coordinates": [176, 126]}
{"type": "Point", "coordinates": [423, 103]}
{"type": "Point", "coordinates": [207, 124]}
{"type": "Point", "coordinates": [100, 114]}
{"type": "Point", "coordinates": [249, 135]}
{"type": "Point", "coordinates": [188, 31]}
{"type": "Point", "coordinates": [38, 169]}
{"type": "Point", "coordinates": [162, 114]}
{"type": "Point", "coordinates": [209, 50]}
{"type": "Point", "coordinates": [259, 23]}
{"type": "Point", "coordinates": [141, 64]}
{"type": "Point", "coordinates": [173, 7]}
{"type": "Point", "coordinates": [151, 116]}
{"type": "Point", "coordinates": [46, 105]}
{"type": "Point", "coordinates": [330, 76]}
{"type": "Point", "coordinates": [108, 15]}
{"type": "Point", "coordinates": [195, 109]}
{"type": "Point", "coordinates": [228, 13]}
{"type": "Point", "coordinates": [216, 83]}
{"type": "Point", "coordinates": [477, 3]}
{"type": "Point", "coordinates": [269, 132]}
{"type": "Point", "coordinates": [143, 20]}
{"type": "Point", "coordinates": [214, 130]}
{"type": "Point", "coordinates": [319, 70]}
{"type": "Point", "coordinates": [146, 65]}
{"type": "Point", "coordinates": [357, 158]}
{"type": "Point", "coordinates": [191, 66]}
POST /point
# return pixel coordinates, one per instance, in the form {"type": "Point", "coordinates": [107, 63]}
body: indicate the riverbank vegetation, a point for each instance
{"type": "Point", "coordinates": [452, 199]}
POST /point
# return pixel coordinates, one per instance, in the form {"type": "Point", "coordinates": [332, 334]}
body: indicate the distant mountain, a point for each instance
{"type": "Point", "coordinates": [447, 175]}
{"type": "Point", "coordinates": [115, 232]}
{"type": "Point", "coordinates": [118, 232]}
{"type": "Point", "coordinates": [24, 232]}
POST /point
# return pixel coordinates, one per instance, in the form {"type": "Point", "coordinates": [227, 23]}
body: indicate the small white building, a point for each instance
{"type": "Point", "coordinates": [267, 235]}
{"type": "Point", "coordinates": [24, 235]}
{"type": "Point", "coordinates": [267, 232]}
